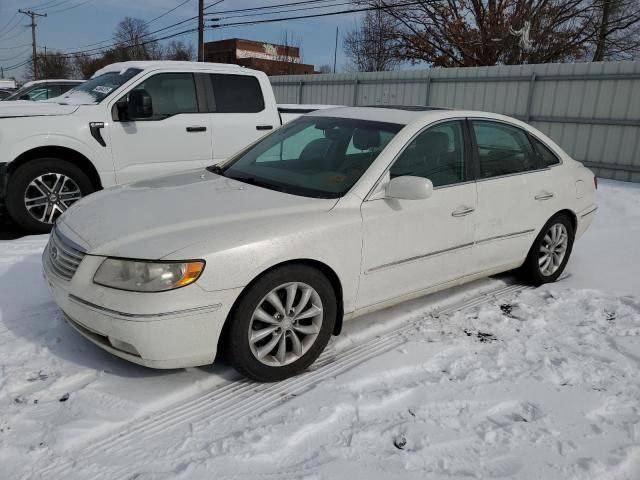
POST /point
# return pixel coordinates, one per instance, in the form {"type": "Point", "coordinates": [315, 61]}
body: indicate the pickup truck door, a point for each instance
{"type": "Point", "coordinates": [243, 110]}
{"type": "Point", "coordinates": [176, 137]}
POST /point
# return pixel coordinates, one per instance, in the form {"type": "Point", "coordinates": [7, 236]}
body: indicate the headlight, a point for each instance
{"type": "Point", "coordinates": [141, 276]}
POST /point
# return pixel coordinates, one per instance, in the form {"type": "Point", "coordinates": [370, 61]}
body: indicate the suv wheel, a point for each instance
{"type": "Point", "coordinates": [41, 190]}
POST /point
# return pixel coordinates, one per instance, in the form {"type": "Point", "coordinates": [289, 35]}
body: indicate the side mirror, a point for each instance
{"type": "Point", "coordinates": [139, 105]}
{"type": "Point", "coordinates": [409, 188]}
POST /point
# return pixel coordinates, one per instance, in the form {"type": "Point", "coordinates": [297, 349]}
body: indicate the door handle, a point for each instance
{"type": "Point", "coordinates": [196, 129]}
{"type": "Point", "coordinates": [462, 211]}
{"type": "Point", "coordinates": [544, 196]}
{"type": "Point", "coordinates": [264, 127]}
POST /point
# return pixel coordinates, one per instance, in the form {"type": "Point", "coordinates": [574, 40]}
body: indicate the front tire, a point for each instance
{"type": "Point", "coordinates": [550, 251]}
{"type": "Point", "coordinates": [41, 190]}
{"type": "Point", "coordinates": [282, 323]}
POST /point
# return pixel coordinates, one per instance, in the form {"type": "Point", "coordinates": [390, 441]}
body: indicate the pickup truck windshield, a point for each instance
{"type": "Point", "coordinates": [320, 157]}
{"type": "Point", "coordinates": [97, 89]}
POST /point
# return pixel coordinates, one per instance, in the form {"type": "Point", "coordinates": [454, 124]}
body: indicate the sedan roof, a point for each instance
{"type": "Point", "coordinates": [405, 115]}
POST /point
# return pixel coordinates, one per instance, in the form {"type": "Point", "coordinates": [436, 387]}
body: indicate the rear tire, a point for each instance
{"type": "Point", "coordinates": [281, 324]}
{"type": "Point", "coordinates": [39, 191]}
{"type": "Point", "coordinates": [550, 251]}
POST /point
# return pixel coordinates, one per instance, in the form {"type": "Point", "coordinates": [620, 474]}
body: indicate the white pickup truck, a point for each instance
{"type": "Point", "coordinates": [131, 121]}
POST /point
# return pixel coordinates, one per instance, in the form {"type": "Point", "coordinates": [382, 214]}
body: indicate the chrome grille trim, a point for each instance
{"type": "Point", "coordinates": [62, 256]}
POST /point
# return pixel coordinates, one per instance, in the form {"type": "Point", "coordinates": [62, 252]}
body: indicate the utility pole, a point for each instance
{"type": "Point", "coordinates": [201, 30]}
{"type": "Point", "coordinates": [33, 16]}
{"type": "Point", "coordinates": [335, 52]}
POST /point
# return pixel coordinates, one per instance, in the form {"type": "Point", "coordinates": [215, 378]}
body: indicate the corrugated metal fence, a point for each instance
{"type": "Point", "coordinates": [591, 109]}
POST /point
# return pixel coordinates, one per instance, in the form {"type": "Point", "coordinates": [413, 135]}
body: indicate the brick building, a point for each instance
{"type": "Point", "coordinates": [268, 57]}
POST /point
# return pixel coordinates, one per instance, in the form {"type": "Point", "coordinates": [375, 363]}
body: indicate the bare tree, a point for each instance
{"type": "Point", "coordinates": [617, 33]}
{"type": "Point", "coordinates": [371, 45]}
{"type": "Point", "coordinates": [178, 50]}
{"type": "Point", "coordinates": [52, 65]}
{"type": "Point", "coordinates": [325, 68]}
{"type": "Point", "coordinates": [134, 35]}
{"type": "Point", "coordinates": [489, 32]}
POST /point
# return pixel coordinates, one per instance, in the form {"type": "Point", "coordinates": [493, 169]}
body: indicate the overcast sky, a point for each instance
{"type": "Point", "coordinates": [91, 21]}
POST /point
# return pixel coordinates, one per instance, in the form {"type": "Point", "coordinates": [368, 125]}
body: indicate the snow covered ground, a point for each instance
{"type": "Point", "coordinates": [490, 380]}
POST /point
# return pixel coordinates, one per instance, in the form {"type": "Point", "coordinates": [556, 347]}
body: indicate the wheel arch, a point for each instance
{"type": "Point", "coordinates": [326, 270]}
{"type": "Point", "coordinates": [569, 213]}
{"type": "Point", "coordinates": [62, 153]}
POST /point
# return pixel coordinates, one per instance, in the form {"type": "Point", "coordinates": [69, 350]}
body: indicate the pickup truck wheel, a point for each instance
{"type": "Point", "coordinates": [41, 190]}
{"type": "Point", "coordinates": [282, 323]}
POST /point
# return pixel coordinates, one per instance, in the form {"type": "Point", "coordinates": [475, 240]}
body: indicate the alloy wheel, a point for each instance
{"type": "Point", "coordinates": [49, 195]}
{"type": "Point", "coordinates": [553, 249]}
{"type": "Point", "coordinates": [285, 324]}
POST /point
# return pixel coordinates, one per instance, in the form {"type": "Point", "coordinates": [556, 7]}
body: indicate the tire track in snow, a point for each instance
{"type": "Point", "coordinates": [241, 397]}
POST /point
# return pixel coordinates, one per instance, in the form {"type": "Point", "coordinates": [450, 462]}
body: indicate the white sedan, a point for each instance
{"type": "Point", "coordinates": [339, 213]}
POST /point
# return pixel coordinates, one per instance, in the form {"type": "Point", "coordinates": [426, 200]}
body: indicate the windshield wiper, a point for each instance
{"type": "Point", "coordinates": [260, 183]}
{"type": "Point", "coordinates": [217, 169]}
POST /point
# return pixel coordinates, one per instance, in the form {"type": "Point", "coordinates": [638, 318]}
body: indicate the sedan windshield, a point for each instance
{"type": "Point", "coordinates": [97, 89]}
{"type": "Point", "coordinates": [320, 157]}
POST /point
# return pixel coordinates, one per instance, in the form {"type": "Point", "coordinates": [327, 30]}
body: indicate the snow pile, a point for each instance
{"type": "Point", "coordinates": [489, 380]}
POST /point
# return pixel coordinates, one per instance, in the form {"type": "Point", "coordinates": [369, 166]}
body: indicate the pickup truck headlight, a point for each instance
{"type": "Point", "coordinates": [142, 276]}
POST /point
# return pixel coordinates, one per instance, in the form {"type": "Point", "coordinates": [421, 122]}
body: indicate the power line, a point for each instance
{"type": "Point", "coordinates": [54, 4]}
{"type": "Point", "coordinates": [10, 20]}
{"type": "Point", "coordinates": [266, 7]}
{"type": "Point", "coordinates": [167, 12]}
{"type": "Point", "coordinates": [140, 44]}
{"type": "Point", "coordinates": [19, 65]}
{"type": "Point", "coordinates": [16, 46]}
{"type": "Point", "coordinates": [70, 7]}
{"type": "Point", "coordinates": [316, 15]}
{"type": "Point", "coordinates": [12, 28]}
{"type": "Point", "coordinates": [15, 56]}
{"type": "Point", "coordinates": [315, 7]}
{"type": "Point", "coordinates": [24, 29]}
{"type": "Point", "coordinates": [120, 44]}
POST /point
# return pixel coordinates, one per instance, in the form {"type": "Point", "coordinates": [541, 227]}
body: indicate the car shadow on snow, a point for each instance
{"type": "Point", "coordinates": [28, 313]}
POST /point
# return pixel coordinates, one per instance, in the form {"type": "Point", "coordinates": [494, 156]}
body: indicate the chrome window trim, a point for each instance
{"type": "Point", "coordinates": [448, 250]}
{"type": "Point", "coordinates": [526, 132]}
{"type": "Point", "coordinates": [406, 145]}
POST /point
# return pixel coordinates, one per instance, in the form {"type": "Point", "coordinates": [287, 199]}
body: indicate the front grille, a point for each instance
{"type": "Point", "coordinates": [62, 258]}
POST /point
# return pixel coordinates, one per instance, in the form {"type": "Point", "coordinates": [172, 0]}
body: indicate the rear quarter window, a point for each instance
{"type": "Point", "coordinates": [237, 94]}
{"type": "Point", "coordinates": [546, 156]}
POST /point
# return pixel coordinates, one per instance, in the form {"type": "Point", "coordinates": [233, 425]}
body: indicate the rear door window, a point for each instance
{"type": "Point", "coordinates": [502, 149]}
{"type": "Point", "coordinates": [237, 93]}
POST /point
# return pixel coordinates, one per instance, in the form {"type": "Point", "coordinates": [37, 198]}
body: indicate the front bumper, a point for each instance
{"type": "Point", "coordinates": [177, 330]}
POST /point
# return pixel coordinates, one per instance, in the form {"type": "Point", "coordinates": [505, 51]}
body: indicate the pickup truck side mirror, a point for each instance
{"type": "Point", "coordinates": [139, 105]}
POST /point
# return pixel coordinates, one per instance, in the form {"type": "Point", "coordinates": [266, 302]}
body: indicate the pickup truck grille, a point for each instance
{"type": "Point", "coordinates": [62, 258]}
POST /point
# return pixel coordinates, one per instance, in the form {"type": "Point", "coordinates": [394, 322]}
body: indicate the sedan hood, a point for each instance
{"type": "Point", "coordinates": [26, 108]}
{"type": "Point", "coordinates": [153, 218]}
